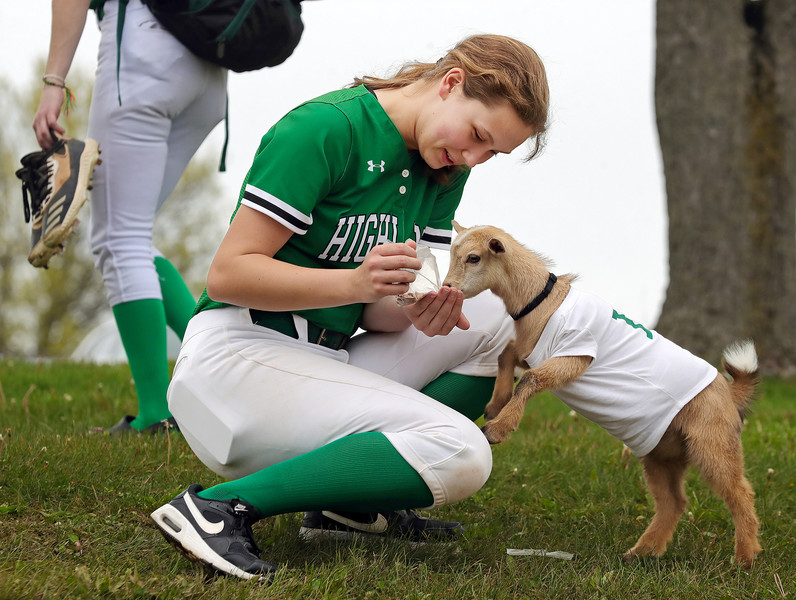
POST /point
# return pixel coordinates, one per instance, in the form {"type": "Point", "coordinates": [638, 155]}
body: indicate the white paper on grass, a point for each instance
{"type": "Point", "coordinates": [426, 279]}
{"type": "Point", "coordinates": [539, 552]}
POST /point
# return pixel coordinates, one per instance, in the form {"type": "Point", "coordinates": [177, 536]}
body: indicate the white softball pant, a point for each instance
{"type": "Point", "coordinates": [247, 397]}
{"type": "Point", "coordinates": [170, 101]}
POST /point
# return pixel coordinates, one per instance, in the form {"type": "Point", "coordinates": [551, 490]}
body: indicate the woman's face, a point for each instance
{"type": "Point", "coordinates": [458, 130]}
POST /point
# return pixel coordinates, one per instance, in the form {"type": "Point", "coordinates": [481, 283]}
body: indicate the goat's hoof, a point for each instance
{"type": "Point", "coordinates": [746, 555]}
{"type": "Point", "coordinates": [745, 562]}
{"type": "Point", "coordinates": [488, 416]}
{"type": "Point", "coordinates": [490, 436]}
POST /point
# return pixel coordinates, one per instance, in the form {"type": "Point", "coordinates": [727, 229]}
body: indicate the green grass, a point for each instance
{"type": "Point", "coordinates": [74, 512]}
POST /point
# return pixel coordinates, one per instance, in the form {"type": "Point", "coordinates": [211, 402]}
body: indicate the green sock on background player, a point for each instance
{"type": "Point", "coordinates": [178, 301]}
{"type": "Point", "coordinates": [142, 327]}
{"type": "Point", "coordinates": [360, 473]}
{"type": "Point", "coordinates": [466, 394]}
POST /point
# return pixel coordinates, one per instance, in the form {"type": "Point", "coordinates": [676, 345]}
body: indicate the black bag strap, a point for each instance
{"type": "Point", "coordinates": [119, 29]}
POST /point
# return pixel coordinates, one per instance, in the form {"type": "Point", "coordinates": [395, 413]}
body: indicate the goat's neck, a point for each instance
{"type": "Point", "coordinates": [523, 283]}
{"type": "Point", "coordinates": [523, 278]}
{"type": "Point", "coordinates": [530, 327]}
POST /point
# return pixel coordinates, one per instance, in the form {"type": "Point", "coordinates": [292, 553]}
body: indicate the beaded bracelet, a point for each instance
{"type": "Point", "coordinates": [70, 97]}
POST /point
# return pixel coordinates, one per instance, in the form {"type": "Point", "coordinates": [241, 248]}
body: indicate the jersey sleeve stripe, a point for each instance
{"type": "Point", "coordinates": [274, 207]}
{"type": "Point", "coordinates": [437, 238]}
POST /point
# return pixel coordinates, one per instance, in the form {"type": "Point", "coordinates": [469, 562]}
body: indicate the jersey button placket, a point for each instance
{"type": "Point", "coordinates": [403, 189]}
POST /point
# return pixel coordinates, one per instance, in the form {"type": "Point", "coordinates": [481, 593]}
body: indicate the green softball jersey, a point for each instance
{"type": "Point", "coordinates": [337, 173]}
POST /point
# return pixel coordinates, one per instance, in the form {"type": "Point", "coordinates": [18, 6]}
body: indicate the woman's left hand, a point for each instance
{"type": "Point", "coordinates": [437, 313]}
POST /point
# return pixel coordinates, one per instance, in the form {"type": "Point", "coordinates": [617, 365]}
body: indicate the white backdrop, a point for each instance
{"type": "Point", "coordinates": [593, 202]}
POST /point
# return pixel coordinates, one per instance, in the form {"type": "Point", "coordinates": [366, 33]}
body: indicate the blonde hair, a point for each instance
{"type": "Point", "coordinates": [496, 68]}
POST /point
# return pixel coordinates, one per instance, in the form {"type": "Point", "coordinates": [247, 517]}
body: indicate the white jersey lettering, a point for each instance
{"type": "Point", "coordinates": [370, 231]}
{"type": "Point", "coordinates": [339, 239]}
{"type": "Point", "coordinates": [368, 239]}
{"type": "Point", "coordinates": [354, 238]}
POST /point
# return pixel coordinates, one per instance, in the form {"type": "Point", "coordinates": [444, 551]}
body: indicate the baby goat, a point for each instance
{"type": "Point", "coordinates": [670, 407]}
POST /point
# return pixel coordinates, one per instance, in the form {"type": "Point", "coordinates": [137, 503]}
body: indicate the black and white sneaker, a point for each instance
{"type": "Point", "coordinates": [216, 533]}
{"type": "Point", "coordinates": [401, 524]}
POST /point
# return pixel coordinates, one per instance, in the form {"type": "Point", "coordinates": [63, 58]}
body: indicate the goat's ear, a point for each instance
{"type": "Point", "coordinates": [458, 227]}
{"type": "Point", "coordinates": [496, 246]}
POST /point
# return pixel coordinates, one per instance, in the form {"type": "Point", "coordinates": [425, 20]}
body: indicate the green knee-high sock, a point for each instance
{"type": "Point", "coordinates": [361, 472]}
{"type": "Point", "coordinates": [464, 393]}
{"type": "Point", "coordinates": [177, 298]}
{"type": "Point", "coordinates": [142, 326]}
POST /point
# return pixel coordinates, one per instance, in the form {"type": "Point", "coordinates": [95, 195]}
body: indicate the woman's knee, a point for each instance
{"type": "Point", "coordinates": [465, 472]}
{"type": "Point", "coordinates": [476, 465]}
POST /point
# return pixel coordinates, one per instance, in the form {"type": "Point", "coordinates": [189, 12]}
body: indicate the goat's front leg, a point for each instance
{"type": "Point", "coordinates": [504, 384]}
{"type": "Point", "coordinates": [550, 375]}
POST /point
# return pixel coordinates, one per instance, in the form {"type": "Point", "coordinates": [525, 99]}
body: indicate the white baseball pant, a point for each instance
{"type": "Point", "coordinates": [247, 397]}
{"type": "Point", "coordinates": [170, 101]}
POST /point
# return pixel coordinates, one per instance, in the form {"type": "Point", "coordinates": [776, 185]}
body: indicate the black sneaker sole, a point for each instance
{"type": "Point", "coordinates": [317, 535]}
{"type": "Point", "coordinates": [309, 534]}
{"type": "Point", "coordinates": [398, 527]}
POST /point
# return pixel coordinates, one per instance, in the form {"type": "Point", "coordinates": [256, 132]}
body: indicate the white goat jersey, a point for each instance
{"type": "Point", "coordinates": [638, 380]}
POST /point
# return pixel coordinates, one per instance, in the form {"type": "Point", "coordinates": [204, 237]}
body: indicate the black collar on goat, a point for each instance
{"type": "Point", "coordinates": [551, 281]}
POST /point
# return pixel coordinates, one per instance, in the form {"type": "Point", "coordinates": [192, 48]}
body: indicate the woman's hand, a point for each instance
{"type": "Point", "coordinates": [46, 117]}
{"type": "Point", "coordinates": [437, 313]}
{"type": "Point", "coordinates": [382, 272]}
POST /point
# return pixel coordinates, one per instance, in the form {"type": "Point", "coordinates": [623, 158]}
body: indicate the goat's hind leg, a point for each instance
{"type": "Point", "coordinates": [664, 479]}
{"type": "Point", "coordinates": [721, 464]}
{"type": "Point", "coordinates": [712, 427]}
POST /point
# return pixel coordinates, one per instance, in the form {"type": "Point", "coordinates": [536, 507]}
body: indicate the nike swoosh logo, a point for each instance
{"type": "Point", "coordinates": [207, 526]}
{"type": "Point", "coordinates": [378, 526]}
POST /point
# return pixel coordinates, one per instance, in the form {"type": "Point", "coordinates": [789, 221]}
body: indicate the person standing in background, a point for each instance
{"type": "Point", "coordinates": [153, 105]}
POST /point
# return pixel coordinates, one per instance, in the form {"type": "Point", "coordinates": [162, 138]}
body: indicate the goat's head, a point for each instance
{"type": "Point", "coordinates": [477, 259]}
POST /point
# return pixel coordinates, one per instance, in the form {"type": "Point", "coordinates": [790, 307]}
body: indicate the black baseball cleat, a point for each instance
{"type": "Point", "coordinates": [401, 524]}
{"type": "Point", "coordinates": [55, 183]}
{"type": "Point", "coordinates": [215, 533]}
{"type": "Point", "coordinates": [35, 192]}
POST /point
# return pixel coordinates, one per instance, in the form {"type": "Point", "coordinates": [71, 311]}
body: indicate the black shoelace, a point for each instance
{"type": "Point", "coordinates": [35, 176]}
{"type": "Point", "coordinates": [242, 531]}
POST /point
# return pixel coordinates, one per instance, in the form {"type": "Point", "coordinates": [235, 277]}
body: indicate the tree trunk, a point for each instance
{"type": "Point", "coordinates": [726, 109]}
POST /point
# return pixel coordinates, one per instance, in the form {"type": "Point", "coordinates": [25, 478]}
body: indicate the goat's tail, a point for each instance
{"type": "Point", "coordinates": [740, 362]}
